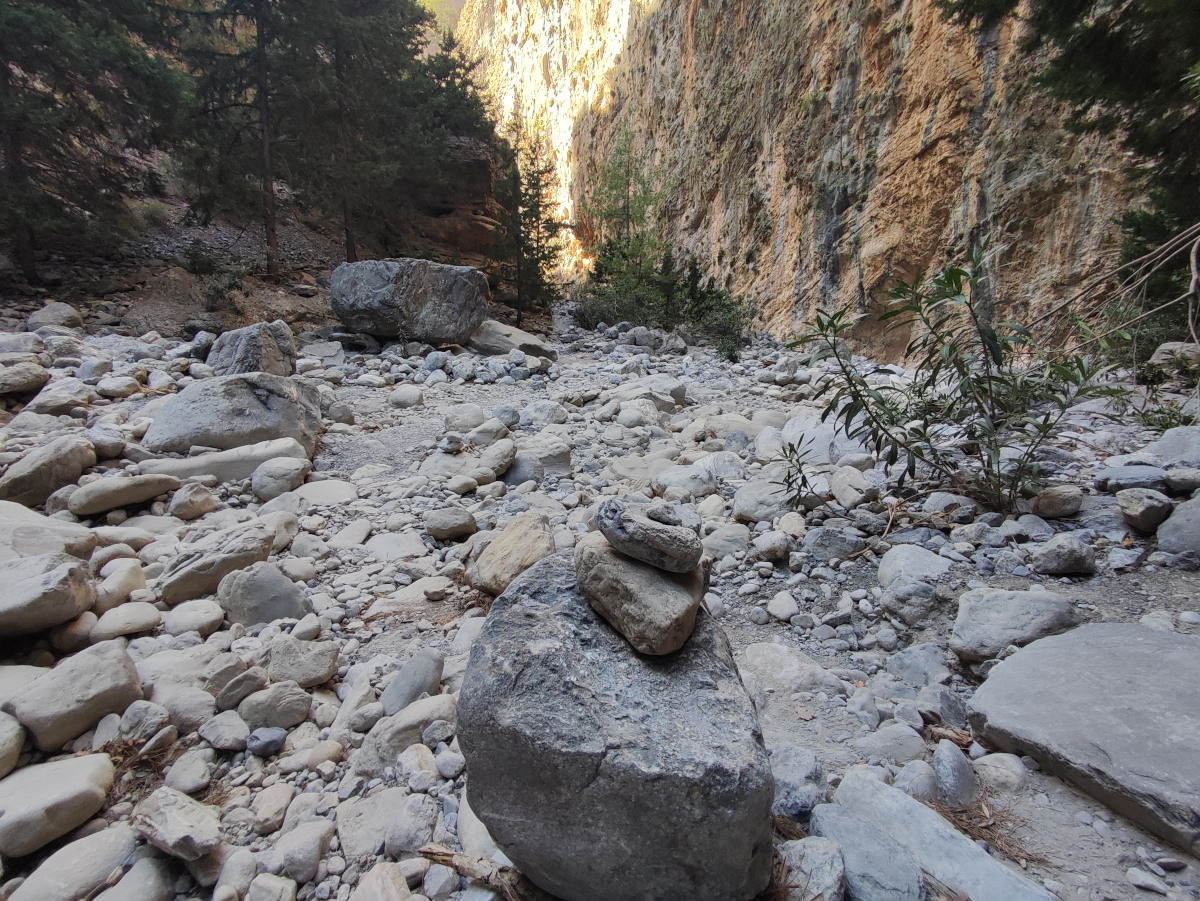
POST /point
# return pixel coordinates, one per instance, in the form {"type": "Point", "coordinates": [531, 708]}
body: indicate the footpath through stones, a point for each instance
{"type": "Point", "coordinates": [333, 615]}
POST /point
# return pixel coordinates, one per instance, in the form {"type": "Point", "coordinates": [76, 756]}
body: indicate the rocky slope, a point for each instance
{"type": "Point", "coordinates": [247, 653]}
{"type": "Point", "coordinates": [814, 151]}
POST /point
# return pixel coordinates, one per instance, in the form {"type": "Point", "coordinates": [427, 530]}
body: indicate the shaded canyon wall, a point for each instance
{"type": "Point", "coordinates": [816, 150]}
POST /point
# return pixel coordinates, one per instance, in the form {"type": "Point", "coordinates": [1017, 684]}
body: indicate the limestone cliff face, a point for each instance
{"type": "Point", "coordinates": [815, 149]}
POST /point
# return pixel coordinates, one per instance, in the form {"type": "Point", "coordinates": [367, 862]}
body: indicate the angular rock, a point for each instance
{"type": "Point", "coordinates": [262, 347]}
{"type": "Point", "coordinates": [72, 697]}
{"type": "Point", "coordinates": [236, 410]}
{"type": "Point", "coordinates": [149, 879]}
{"type": "Point", "coordinates": [46, 801]}
{"type": "Point", "coordinates": [417, 299]}
{"type": "Point", "coordinates": [45, 469]}
{"type": "Point", "coordinates": [261, 593]}
{"type": "Point", "coordinates": [524, 541]}
{"type": "Point", "coordinates": [594, 804]}
{"type": "Point", "coordinates": [1143, 508]}
{"type": "Point", "coordinates": [851, 488]}
{"type": "Point", "coordinates": [203, 566]}
{"type": "Point", "coordinates": [991, 619]}
{"type": "Point", "coordinates": [103, 495]}
{"type": "Point", "coordinates": [307, 663]}
{"type": "Point", "coordinates": [1063, 555]}
{"type": "Point", "coordinates": [877, 868]}
{"type": "Point", "coordinates": [282, 705]}
{"type": "Point", "coordinates": [191, 502]}
{"type": "Point", "coordinates": [956, 782]}
{"type": "Point", "coordinates": [795, 771]}
{"type": "Point", "coordinates": [1082, 704]}
{"type": "Point", "coordinates": [673, 548]}
{"type": "Point", "coordinates": [421, 674]}
{"type": "Point", "coordinates": [41, 592]}
{"type": "Point", "coordinates": [825, 543]}
{"type": "Point", "coordinates": [278, 476]}
{"type": "Point", "coordinates": [815, 868]}
{"type": "Point", "coordinates": [384, 882]}
{"type": "Point", "coordinates": [911, 561]}
{"type": "Point", "coordinates": [226, 732]}
{"type": "Point", "coordinates": [937, 847]}
{"type": "Point", "coordinates": [654, 610]}
{"type": "Point", "coordinates": [177, 825]}
{"type": "Point", "coordinates": [1057, 502]}
{"type": "Point", "coordinates": [759, 502]}
{"type": "Point", "coordinates": [1180, 534]}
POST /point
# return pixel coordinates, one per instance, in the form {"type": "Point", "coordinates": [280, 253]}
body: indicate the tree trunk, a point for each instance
{"type": "Point", "coordinates": [348, 225]}
{"type": "Point", "coordinates": [264, 124]}
{"type": "Point", "coordinates": [14, 181]}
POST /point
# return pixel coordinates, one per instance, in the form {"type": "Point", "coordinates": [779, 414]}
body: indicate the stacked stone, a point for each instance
{"type": "Point", "coordinates": [643, 572]}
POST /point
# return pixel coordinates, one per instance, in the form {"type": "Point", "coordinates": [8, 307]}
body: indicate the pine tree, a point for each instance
{"type": "Point", "coordinates": [529, 239]}
{"type": "Point", "coordinates": [81, 85]}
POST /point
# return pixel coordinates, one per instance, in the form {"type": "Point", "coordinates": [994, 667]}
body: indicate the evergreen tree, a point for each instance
{"type": "Point", "coordinates": [529, 239]}
{"type": "Point", "coordinates": [81, 85]}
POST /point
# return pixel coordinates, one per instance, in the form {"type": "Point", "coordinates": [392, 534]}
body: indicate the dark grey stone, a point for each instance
{"type": "Point", "coordinates": [414, 298]}
{"type": "Point", "coordinates": [266, 742]}
{"type": "Point", "coordinates": [956, 782]}
{"type": "Point", "coordinates": [673, 548]}
{"type": "Point", "coordinates": [1112, 708]}
{"type": "Point", "coordinates": [421, 674]}
{"type": "Point", "coordinates": [824, 543]}
{"type": "Point", "coordinates": [604, 774]}
{"type": "Point", "coordinates": [1181, 532]}
{"type": "Point", "coordinates": [261, 593]}
{"type": "Point", "coordinates": [1116, 478]}
{"type": "Point", "coordinates": [261, 347]}
{"type": "Point", "coordinates": [796, 772]}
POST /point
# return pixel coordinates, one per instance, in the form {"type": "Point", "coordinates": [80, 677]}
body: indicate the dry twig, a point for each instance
{"type": "Point", "coordinates": [991, 824]}
{"type": "Point", "coordinates": [503, 880]}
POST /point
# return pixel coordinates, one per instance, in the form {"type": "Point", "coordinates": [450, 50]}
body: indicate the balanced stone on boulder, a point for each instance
{"type": "Point", "coordinates": [416, 299]}
{"type": "Point", "coordinates": [637, 534]}
{"type": "Point", "coordinates": [261, 347]}
{"type": "Point", "coordinates": [590, 771]}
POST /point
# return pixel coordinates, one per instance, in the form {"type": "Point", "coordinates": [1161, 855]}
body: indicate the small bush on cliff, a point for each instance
{"type": "Point", "coordinates": [982, 402]}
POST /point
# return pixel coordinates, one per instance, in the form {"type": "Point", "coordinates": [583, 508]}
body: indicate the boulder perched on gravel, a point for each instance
{"type": "Point", "coordinates": [1057, 502]}
{"type": "Point", "coordinates": [991, 619]}
{"type": "Point", "coordinates": [44, 591]}
{"type": "Point", "coordinates": [415, 298]}
{"type": "Point", "coordinates": [588, 801]}
{"type": "Point", "coordinates": [1065, 554]}
{"type": "Point", "coordinates": [236, 410]}
{"type": "Point", "coordinates": [47, 468]}
{"type": "Point", "coordinates": [261, 347]}
{"type": "Point", "coordinates": [497, 339]}
{"type": "Point", "coordinates": [103, 495]}
{"type": "Point", "coordinates": [654, 610]}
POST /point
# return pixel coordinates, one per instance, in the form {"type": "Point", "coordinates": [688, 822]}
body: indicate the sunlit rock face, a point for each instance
{"type": "Point", "coordinates": [815, 150]}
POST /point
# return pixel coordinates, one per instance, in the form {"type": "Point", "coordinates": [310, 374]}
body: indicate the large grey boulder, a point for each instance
{"type": "Point", "coordinates": [234, 410]}
{"type": "Point", "coordinates": [1091, 706]}
{"type": "Point", "coordinates": [416, 299]}
{"type": "Point", "coordinates": [80, 869]}
{"type": "Point", "coordinates": [910, 561]}
{"type": "Point", "coordinates": [590, 801]}
{"type": "Point", "coordinates": [261, 347]}
{"type": "Point", "coordinates": [926, 838]}
{"type": "Point", "coordinates": [991, 619]}
{"type": "Point", "coordinates": [47, 468]}
{"type": "Point", "coordinates": [44, 591]}
{"type": "Point", "coordinates": [759, 502]}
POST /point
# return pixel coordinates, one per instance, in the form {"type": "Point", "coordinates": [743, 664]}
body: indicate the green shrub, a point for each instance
{"type": "Point", "coordinates": [982, 402]}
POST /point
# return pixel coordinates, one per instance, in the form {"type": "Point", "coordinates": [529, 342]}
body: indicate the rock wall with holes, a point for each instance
{"type": "Point", "coordinates": [814, 151]}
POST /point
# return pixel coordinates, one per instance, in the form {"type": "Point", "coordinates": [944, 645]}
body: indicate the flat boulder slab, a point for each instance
{"type": "Point", "coordinates": [229, 466]}
{"type": "Point", "coordinates": [43, 802]}
{"type": "Point", "coordinates": [418, 299]}
{"type": "Point", "coordinates": [235, 410]}
{"type": "Point", "coordinates": [589, 772]}
{"type": "Point", "coordinates": [654, 610]}
{"type": "Point", "coordinates": [649, 535]}
{"type": "Point", "coordinates": [27, 533]}
{"type": "Point", "coordinates": [103, 495]}
{"type": "Point", "coordinates": [1090, 707]}
{"type": "Point", "coordinates": [991, 619]}
{"type": "Point", "coordinates": [261, 347]}
{"type": "Point", "coordinates": [911, 561]}
{"type": "Point", "coordinates": [496, 339]}
{"type": "Point", "coordinates": [926, 838]}
{"type": "Point", "coordinates": [47, 468]}
{"type": "Point", "coordinates": [42, 592]}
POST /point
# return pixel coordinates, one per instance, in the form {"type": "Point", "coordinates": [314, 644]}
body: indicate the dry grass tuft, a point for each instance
{"type": "Point", "coordinates": [991, 824]}
{"type": "Point", "coordinates": [777, 889]}
{"type": "Point", "coordinates": [136, 775]}
{"type": "Point", "coordinates": [788, 830]}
